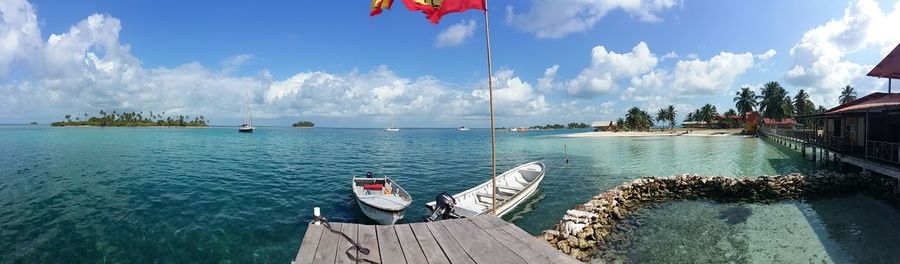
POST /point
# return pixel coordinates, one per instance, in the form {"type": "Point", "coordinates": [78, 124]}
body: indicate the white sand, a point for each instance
{"type": "Point", "coordinates": [666, 133]}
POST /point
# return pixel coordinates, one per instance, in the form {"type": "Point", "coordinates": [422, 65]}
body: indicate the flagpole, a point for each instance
{"type": "Point", "coordinates": [487, 37]}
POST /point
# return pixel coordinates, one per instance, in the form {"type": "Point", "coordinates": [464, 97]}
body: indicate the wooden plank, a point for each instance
{"type": "Point", "coordinates": [309, 244]}
{"type": "Point", "coordinates": [328, 245]}
{"type": "Point", "coordinates": [411, 249]}
{"type": "Point", "coordinates": [429, 245]}
{"type": "Point", "coordinates": [341, 258]}
{"type": "Point", "coordinates": [480, 246]}
{"type": "Point", "coordinates": [448, 244]}
{"type": "Point", "coordinates": [389, 245]}
{"type": "Point", "coordinates": [509, 241]}
{"type": "Point", "coordinates": [539, 246]}
{"type": "Point", "coordinates": [368, 239]}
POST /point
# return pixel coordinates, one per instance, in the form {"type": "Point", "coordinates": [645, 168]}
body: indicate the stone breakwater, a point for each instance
{"type": "Point", "coordinates": [584, 228]}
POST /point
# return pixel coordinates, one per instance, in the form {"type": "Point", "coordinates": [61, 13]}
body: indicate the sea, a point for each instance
{"type": "Point", "coordinates": [213, 195]}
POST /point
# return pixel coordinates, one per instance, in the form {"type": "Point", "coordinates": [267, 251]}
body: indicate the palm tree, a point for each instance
{"type": "Point", "coordinates": [802, 105]}
{"type": "Point", "coordinates": [707, 113]}
{"type": "Point", "coordinates": [774, 101]}
{"type": "Point", "coordinates": [662, 115]}
{"type": "Point", "coordinates": [689, 117]}
{"type": "Point", "coordinates": [848, 94]}
{"type": "Point", "coordinates": [745, 101]}
{"type": "Point", "coordinates": [821, 109]}
{"type": "Point", "coordinates": [638, 119]}
{"type": "Point", "coordinates": [620, 124]}
{"type": "Point", "coordinates": [670, 116]}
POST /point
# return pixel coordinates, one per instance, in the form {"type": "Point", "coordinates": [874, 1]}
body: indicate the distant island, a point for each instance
{"type": "Point", "coordinates": [304, 124]}
{"type": "Point", "coordinates": [33, 123]}
{"type": "Point", "coordinates": [132, 119]}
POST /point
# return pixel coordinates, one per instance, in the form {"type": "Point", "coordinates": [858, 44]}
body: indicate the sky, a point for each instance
{"type": "Point", "coordinates": [553, 61]}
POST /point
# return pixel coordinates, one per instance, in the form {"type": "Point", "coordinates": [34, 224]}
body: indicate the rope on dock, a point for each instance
{"type": "Point", "coordinates": [355, 247]}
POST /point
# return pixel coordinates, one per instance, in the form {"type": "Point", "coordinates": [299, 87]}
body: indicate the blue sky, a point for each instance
{"type": "Point", "coordinates": [555, 62]}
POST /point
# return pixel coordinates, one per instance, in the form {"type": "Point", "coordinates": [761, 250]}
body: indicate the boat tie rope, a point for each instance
{"type": "Point", "coordinates": [355, 247]}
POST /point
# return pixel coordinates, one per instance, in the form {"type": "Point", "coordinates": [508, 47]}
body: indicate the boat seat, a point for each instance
{"type": "Point", "coordinates": [500, 197]}
{"type": "Point", "coordinates": [517, 189]}
{"type": "Point", "coordinates": [508, 190]}
{"type": "Point", "coordinates": [529, 175]}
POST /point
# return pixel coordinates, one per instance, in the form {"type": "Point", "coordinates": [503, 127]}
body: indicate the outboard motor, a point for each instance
{"type": "Point", "coordinates": [443, 208]}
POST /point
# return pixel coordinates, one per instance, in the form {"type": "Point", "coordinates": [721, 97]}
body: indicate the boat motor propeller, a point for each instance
{"type": "Point", "coordinates": [443, 208]}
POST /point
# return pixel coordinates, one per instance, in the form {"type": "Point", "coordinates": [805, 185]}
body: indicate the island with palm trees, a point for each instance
{"type": "Point", "coordinates": [304, 124]}
{"type": "Point", "coordinates": [132, 119]}
{"type": "Point", "coordinates": [772, 102]}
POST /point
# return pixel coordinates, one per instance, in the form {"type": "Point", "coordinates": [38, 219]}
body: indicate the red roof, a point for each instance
{"type": "Point", "coordinates": [774, 122]}
{"type": "Point", "coordinates": [872, 101]}
{"type": "Point", "coordinates": [889, 67]}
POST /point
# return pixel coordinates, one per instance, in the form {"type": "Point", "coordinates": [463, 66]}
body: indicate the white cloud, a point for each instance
{"type": "Point", "coordinates": [608, 67]}
{"type": "Point", "coordinates": [556, 19]}
{"type": "Point", "coordinates": [820, 63]}
{"type": "Point", "coordinates": [712, 76]}
{"type": "Point", "coordinates": [546, 83]}
{"type": "Point", "coordinates": [512, 96]}
{"type": "Point", "coordinates": [456, 34]}
{"type": "Point", "coordinates": [232, 64]}
{"type": "Point", "coordinates": [19, 33]}
{"type": "Point", "coordinates": [669, 56]}
{"type": "Point", "coordinates": [87, 69]}
{"type": "Point", "coordinates": [768, 55]}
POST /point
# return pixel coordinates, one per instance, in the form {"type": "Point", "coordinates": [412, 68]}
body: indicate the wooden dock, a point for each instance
{"type": "Point", "coordinates": [481, 239]}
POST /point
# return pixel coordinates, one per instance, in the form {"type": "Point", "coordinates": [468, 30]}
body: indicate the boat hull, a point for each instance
{"type": "Point", "coordinates": [381, 216]}
{"type": "Point", "coordinates": [510, 205]}
{"type": "Point", "coordinates": [469, 202]}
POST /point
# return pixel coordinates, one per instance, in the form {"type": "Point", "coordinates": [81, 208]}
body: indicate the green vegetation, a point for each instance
{"type": "Point", "coordinates": [745, 101]}
{"type": "Point", "coordinates": [635, 120]}
{"type": "Point", "coordinates": [304, 124]}
{"type": "Point", "coordinates": [133, 119]}
{"type": "Point", "coordinates": [848, 94]}
{"type": "Point", "coordinates": [667, 114]}
{"type": "Point", "coordinates": [559, 126]}
{"type": "Point", "coordinates": [774, 102]}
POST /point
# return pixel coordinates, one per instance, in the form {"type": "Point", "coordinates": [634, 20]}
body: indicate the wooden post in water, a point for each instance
{"type": "Point", "coordinates": [566, 149]}
{"type": "Point", "coordinates": [487, 40]}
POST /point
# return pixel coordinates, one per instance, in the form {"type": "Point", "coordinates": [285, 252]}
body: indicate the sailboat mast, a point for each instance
{"type": "Point", "coordinates": [249, 107]}
{"type": "Point", "coordinates": [487, 38]}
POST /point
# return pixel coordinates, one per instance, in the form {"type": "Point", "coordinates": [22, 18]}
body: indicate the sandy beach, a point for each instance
{"type": "Point", "coordinates": [665, 133]}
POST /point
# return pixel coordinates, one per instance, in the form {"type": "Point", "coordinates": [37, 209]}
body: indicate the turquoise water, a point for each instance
{"type": "Point", "coordinates": [853, 229]}
{"type": "Point", "coordinates": [214, 195]}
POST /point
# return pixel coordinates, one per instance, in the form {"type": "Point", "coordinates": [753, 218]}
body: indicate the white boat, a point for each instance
{"type": "Point", "coordinates": [518, 129]}
{"type": "Point", "coordinates": [392, 128]}
{"type": "Point", "coordinates": [247, 127]}
{"type": "Point", "coordinates": [381, 199]}
{"type": "Point", "coordinates": [513, 187]}
{"type": "Point", "coordinates": [462, 128]}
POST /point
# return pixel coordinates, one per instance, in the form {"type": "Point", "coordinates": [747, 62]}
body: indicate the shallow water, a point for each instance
{"type": "Point", "coordinates": [854, 229]}
{"type": "Point", "coordinates": [214, 195]}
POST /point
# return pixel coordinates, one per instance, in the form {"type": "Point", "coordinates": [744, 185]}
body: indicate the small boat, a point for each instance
{"type": "Point", "coordinates": [245, 128]}
{"type": "Point", "coordinates": [513, 187]}
{"type": "Point", "coordinates": [381, 199]}
{"type": "Point", "coordinates": [462, 128]}
{"type": "Point", "coordinates": [518, 129]}
{"type": "Point", "coordinates": [392, 128]}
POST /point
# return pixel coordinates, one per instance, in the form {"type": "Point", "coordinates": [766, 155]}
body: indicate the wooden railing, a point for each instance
{"type": "Point", "coordinates": [883, 151]}
{"type": "Point", "coordinates": [838, 144]}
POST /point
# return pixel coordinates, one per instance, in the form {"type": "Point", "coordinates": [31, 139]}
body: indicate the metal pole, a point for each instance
{"type": "Point", "coordinates": [487, 38]}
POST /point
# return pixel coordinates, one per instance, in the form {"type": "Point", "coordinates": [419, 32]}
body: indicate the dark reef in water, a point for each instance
{"type": "Point", "coordinates": [735, 215]}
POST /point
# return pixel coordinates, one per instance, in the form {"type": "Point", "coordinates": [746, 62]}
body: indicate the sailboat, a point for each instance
{"type": "Point", "coordinates": [464, 128]}
{"type": "Point", "coordinates": [247, 126]}
{"type": "Point", "coordinates": [392, 128]}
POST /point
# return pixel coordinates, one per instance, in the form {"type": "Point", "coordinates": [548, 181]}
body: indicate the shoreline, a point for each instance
{"type": "Point", "coordinates": [662, 133]}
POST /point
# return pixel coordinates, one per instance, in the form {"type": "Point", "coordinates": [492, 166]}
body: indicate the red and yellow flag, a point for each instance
{"type": "Point", "coordinates": [433, 9]}
{"type": "Point", "coordinates": [378, 5]}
